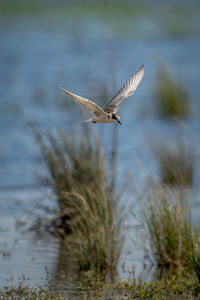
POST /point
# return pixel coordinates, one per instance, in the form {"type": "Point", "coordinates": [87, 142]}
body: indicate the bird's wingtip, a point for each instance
{"type": "Point", "coordinates": [60, 88]}
{"type": "Point", "coordinates": [63, 90]}
{"type": "Point", "coordinates": [141, 69]}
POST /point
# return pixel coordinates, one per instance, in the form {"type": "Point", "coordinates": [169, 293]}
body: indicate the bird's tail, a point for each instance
{"type": "Point", "coordinates": [89, 120]}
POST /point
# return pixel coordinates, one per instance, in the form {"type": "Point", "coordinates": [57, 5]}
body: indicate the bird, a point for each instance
{"type": "Point", "coordinates": [109, 113]}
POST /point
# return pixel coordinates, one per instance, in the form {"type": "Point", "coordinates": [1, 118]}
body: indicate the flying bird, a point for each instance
{"type": "Point", "coordinates": [109, 113]}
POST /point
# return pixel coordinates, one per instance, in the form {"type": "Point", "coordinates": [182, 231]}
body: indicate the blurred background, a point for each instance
{"type": "Point", "coordinates": [91, 48]}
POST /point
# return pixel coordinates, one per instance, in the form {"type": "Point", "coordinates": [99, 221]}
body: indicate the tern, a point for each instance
{"type": "Point", "coordinates": [109, 113]}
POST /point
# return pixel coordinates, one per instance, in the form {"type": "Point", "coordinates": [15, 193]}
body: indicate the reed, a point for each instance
{"type": "Point", "coordinates": [177, 161]}
{"type": "Point", "coordinates": [170, 231]}
{"type": "Point", "coordinates": [88, 217]}
{"type": "Point", "coordinates": [172, 100]}
{"type": "Point", "coordinates": [194, 256]}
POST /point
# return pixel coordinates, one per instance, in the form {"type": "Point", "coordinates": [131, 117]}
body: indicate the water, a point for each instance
{"type": "Point", "coordinates": [36, 56]}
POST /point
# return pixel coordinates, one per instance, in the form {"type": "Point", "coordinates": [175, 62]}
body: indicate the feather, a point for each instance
{"type": "Point", "coordinates": [126, 90]}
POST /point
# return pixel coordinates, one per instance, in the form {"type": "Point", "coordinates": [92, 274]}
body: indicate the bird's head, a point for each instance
{"type": "Point", "coordinates": [116, 118]}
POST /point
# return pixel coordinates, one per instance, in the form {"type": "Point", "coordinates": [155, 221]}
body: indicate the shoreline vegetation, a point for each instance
{"type": "Point", "coordinates": [171, 288]}
{"type": "Point", "coordinates": [88, 221]}
{"type": "Point", "coordinates": [90, 226]}
{"type": "Point", "coordinates": [172, 22]}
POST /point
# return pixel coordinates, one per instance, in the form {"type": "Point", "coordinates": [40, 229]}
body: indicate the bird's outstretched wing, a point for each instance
{"type": "Point", "coordinates": [89, 105]}
{"type": "Point", "coordinates": [126, 90]}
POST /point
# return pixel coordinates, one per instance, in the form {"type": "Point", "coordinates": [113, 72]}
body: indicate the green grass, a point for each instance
{"type": "Point", "coordinates": [177, 161]}
{"type": "Point", "coordinates": [24, 292]}
{"type": "Point", "coordinates": [172, 100]}
{"type": "Point", "coordinates": [171, 288]}
{"type": "Point", "coordinates": [88, 218]}
{"type": "Point", "coordinates": [92, 8]}
{"type": "Point", "coordinates": [20, 7]}
{"type": "Point", "coordinates": [170, 232]}
{"type": "Point", "coordinates": [194, 257]}
{"type": "Point", "coordinates": [169, 18]}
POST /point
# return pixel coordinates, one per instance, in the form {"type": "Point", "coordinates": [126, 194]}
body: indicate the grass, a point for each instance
{"type": "Point", "coordinates": [88, 219]}
{"type": "Point", "coordinates": [194, 257]}
{"type": "Point", "coordinates": [92, 8]}
{"type": "Point", "coordinates": [177, 161]}
{"type": "Point", "coordinates": [171, 288]}
{"type": "Point", "coordinates": [20, 7]}
{"type": "Point", "coordinates": [170, 231]}
{"type": "Point", "coordinates": [168, 17]}
{"type": "Point", "coordinates": [172, 100]}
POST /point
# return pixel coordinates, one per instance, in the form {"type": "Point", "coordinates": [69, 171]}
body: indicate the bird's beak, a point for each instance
{"type": "Point", "coordinates": [119, 122]}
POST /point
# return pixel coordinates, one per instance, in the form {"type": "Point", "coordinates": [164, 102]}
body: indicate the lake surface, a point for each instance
{"type": "Point", "coordinates": [87, 57]}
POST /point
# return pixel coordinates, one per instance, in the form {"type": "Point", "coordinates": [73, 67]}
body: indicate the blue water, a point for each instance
{"type": "Point", "coordinates": [36, 56]}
